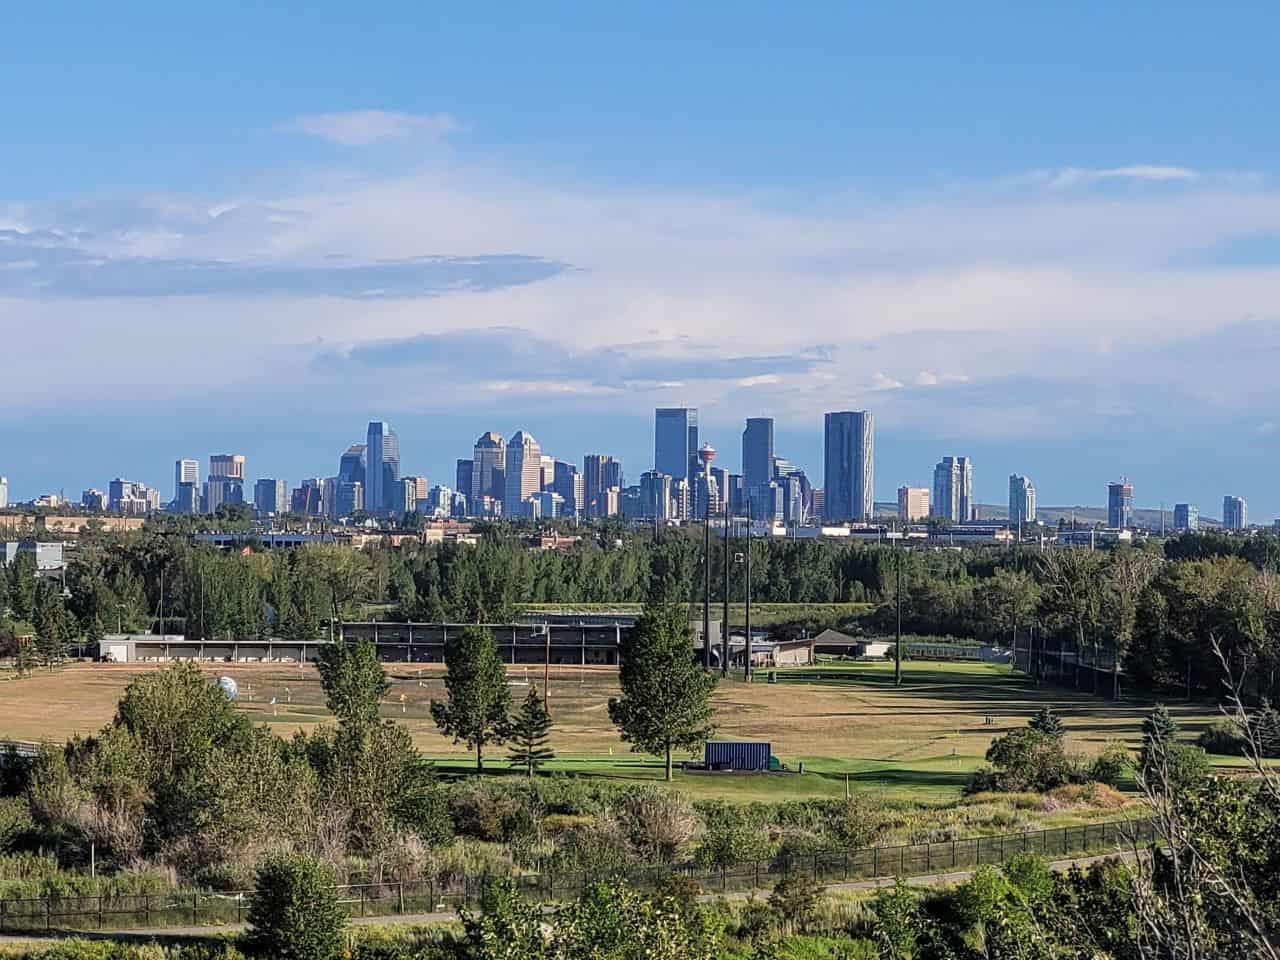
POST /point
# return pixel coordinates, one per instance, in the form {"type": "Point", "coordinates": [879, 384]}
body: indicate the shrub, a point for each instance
{"type": "Point", "coordinates": [659, 823]}
{"type": "Point", "coordinates": [494, 812]}
{"type": "Point", "coordinates": [854, 822]}
{"type": "Point", "coordinates": [1222, 737]}
{"type": "Point", "coordinates": [1030, 875]}
{"type": "Point", "coordinates": [15, 823]}
{"type": "Point", "coordinates": [795, 900]}
{"type": "Point", "coordinates": [1111, 765]}
{"type": "Point", "coordinates": [294, 913]}
{"type": "Point", "coordinates": [1028, 759]}
{"type": "Point", "coordinates": [597, 849]}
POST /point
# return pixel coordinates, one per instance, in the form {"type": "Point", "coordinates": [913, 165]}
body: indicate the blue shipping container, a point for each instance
{"type": "Point", "coordinates": [737, 754]}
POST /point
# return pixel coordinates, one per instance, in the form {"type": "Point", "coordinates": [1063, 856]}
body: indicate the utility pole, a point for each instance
{"type": "Point", "coordinates": [746, 669]}
{"type": "Point", "coordinates": [897, 659]}
{"type": "Point", "coordinates": [706, 581]}
{"type": "Point", "coordinates": [724, 626]}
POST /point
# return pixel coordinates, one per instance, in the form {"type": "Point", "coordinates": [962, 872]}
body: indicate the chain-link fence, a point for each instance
{"type": "Point", "coordinates": [444, 894]}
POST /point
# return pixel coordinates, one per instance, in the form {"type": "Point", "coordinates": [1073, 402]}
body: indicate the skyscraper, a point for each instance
{"type": "Point", "coordinates": [4, 492]}
{"type": "Point", "coordinates": [462, 478]}
{"type": "Point", "coordinates": [1022, 501]}
{"type": "Point", "coordinates": [1186, 517]}
{"type": "Point", "coordinates": [757, 452]}
{"type": "Point", "coordinates": [953, 489]}
{"type": "Point", "coordinates": [1120, 504]}
{"type": "Point", "coordinates": [913, 504]}
{"type": "Point", "coordinates": [599, 473]}
{"type": "Point", "coordinates": [675, 441]}
{"type": "Point", "coordinates": [185, 471]}
{"type": "Point", "coordinates": [382, 468]}
{"type": "Point", "coordinates": [488, 470]}
{"type": "Point", "coordinates": [352, 465]}
{"type": "Point", "coordinates": [1235, 513]}
{"type": "Point", "coordinates": [568, 483]}
{"type": "Point", "coordinates": [655, 495]}
{"type": "Point", "coordinates": [270, 497]}
{"type": "Point", "coordinates": [523, 473]}
{"type": "Point", "coordinates": [228, 466]}
{"type": "Point", "coordinates": [848, 471]}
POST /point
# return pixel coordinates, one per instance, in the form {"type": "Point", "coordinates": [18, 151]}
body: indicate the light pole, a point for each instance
{"type": "Point", "coordinates": [897, 659]}
{"type": "Point", "coordinates": [746, 669]}
{"type": "Point", "coordinates": [724, 626]}
{"type": "Point", "coordinates": [706, 581]}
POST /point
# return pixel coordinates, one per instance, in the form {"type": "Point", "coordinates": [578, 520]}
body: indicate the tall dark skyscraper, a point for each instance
{"type": "Point", "coordinates": [462, 479]}
{"type": "Point", "coordinates": [382, 467]}
{"type": "Point", "coordinates": [351, 465]}
{"type": "Point", "coordinates": [757, 452]}
{"type": "Point", "coordinates": [848, 471]}
{"type": "Point", "coordinates": [675, 441]}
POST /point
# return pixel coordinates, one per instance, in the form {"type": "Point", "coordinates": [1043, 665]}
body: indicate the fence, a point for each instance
{"type": "Point", "coordinates": [433, 895]}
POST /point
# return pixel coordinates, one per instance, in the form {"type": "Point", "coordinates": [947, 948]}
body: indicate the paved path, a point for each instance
{"type": "Point", "coordinates": [446, 916]}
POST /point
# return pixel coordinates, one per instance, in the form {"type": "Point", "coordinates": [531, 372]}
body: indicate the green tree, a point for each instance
{"type": "Point", "coordinates": [354, 682]}
{"type": "Point", "coordinates": [529, 733]}
{"type": "Point", "coordinates": [294, 913]}
{"type": "Point", "coordinates": [1266, 730]}
{"type": "Point", "coordinates": [479, 698]}
{"type": "Point", "coordinates": [1159, 730]}
{"type": "Point", "coordinates": [1047, 722]}
{"type": "Point", "coordinates": [666, 696]}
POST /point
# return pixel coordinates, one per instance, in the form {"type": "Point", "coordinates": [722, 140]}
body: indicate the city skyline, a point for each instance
{"type": "Point", "coordinates": [572, 476]}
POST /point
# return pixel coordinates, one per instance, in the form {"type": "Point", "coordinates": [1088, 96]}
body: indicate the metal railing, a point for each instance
{"type": "Point", "coordinates": [441, 894]}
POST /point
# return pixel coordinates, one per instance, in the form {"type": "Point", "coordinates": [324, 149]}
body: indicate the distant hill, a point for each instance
{"type": "Point", "coordinates": [1085, 516]}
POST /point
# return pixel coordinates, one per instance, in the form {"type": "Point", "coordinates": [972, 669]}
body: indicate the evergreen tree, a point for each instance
{"type": "Point", "coordinates": [1158, 731]}
{"type": "Point", "coordinates": [1048, 723]}
{"type": "Point", "coordinates": [479, 699]}
{"type": "Point", "coordinates": [1266, 730]}
{"type": "Point", "coordinates": [529, 729]}
{"type": "Point", "coordinates": [666, 696]}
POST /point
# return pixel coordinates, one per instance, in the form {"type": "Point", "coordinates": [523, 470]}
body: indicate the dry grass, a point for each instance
{"type": "Point", "coordinates": [925, 736]}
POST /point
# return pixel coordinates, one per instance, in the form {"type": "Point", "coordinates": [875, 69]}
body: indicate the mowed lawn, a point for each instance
{"type": "Point", "coordinates": [919, 740]}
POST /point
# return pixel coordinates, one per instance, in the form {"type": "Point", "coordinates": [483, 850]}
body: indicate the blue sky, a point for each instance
{"type": "Point", "coordinates": [1048, 238]}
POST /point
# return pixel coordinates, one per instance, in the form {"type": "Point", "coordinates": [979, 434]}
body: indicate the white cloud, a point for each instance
{"type": "Point", "coordinates": [1069, 177]}
{"type": "Point", "coordinates": [1014, 288]}
{"type": "Point", "coordinates": [358, 128]}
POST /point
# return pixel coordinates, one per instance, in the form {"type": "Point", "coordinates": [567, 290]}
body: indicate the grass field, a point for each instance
{"type": "Point", "coordinates": [919, 741]}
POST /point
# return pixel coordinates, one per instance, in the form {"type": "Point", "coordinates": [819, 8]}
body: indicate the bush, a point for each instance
{"type": "Point", "coordinates": [659, 823]}
{"type": "Point", "coordinates": [294, 913]}
{"type": "Point", "coordinates": [1111, 765]}
{"type": "Point", "coordinates": [1027, 759]}
{"type": "Point", "coordinates": [1222, 737]}
{"type": "Point", "coordinates": [795, 900]}
{"type": "Point", "coordinates": [15, 823]}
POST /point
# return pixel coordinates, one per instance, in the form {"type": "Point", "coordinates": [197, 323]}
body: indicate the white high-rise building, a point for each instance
{"type": "Point", "coordinates": [1022, 501]}
{"type": "Point", "coordinates": [953, 489]}
{"type": "Point", "coordinates": [1235, 513]}
{"type": "Point", "coordinates": [185, 471]}
{"type": "Point", "coordinates": [523, 473]}
{"type": "Point", "coordinates": [4, 492]}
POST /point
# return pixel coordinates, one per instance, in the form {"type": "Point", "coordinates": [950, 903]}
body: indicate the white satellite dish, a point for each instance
{"type": "Point", "coordinates": [229, 687]}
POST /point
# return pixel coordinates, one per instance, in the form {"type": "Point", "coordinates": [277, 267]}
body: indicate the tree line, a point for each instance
{"type": "Point", "coordinates": [1151, 610]}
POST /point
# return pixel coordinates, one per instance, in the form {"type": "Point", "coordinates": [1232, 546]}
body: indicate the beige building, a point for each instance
{"type": "Point", "coordinates": [913, 504]}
